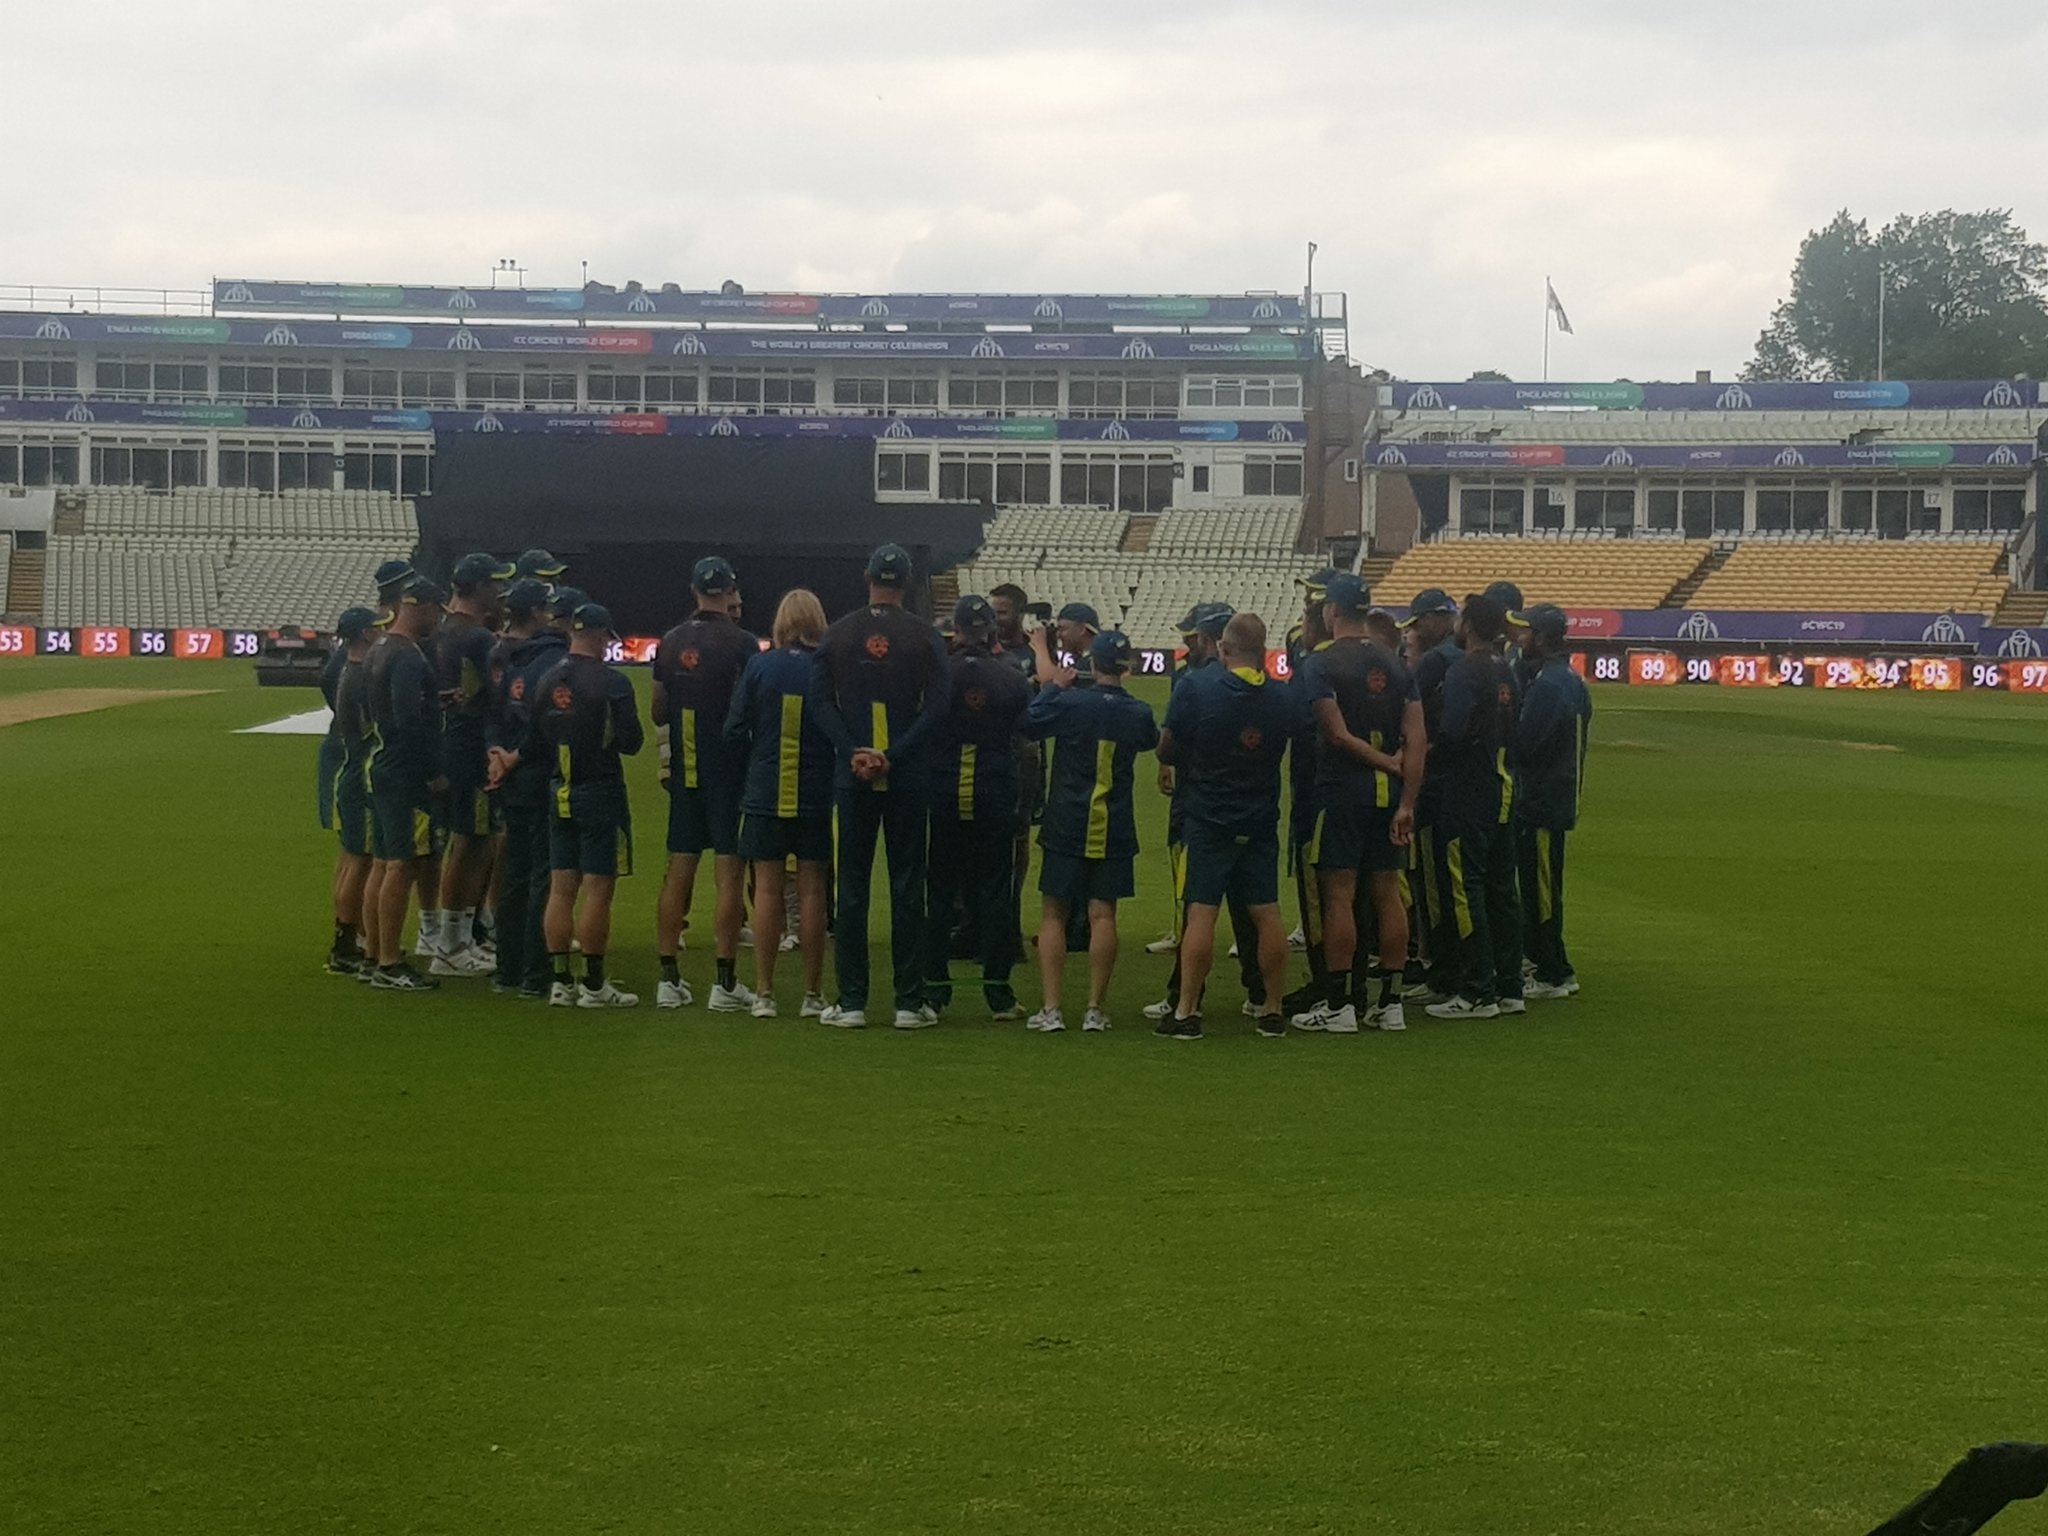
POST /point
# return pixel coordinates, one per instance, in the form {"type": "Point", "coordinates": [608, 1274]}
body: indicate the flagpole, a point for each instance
{"type": "Point", "coordinates": [1546, 328]}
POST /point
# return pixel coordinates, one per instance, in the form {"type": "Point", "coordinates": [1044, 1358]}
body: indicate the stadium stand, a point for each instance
{"type": "Point", "coordinates": [1593, 426]}
{"type": "Point", "coordinates": [1573, 573]}
{"type": "Point", "coordinates": [1917, 576]}
{"type": "Point", "coordinates": [221, 558]}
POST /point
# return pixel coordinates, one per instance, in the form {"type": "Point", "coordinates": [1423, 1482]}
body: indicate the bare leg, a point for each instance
{"type": "Point", "coordinates": [812, 879]}
{"type": "Point", "coordinates": [1197, 954]}
{"type": "Point", "coordinates": [558, 923]}
{"type": "Point", "coordinates": [1340, 920]}
{"type": "Point", "coordinates": [1101, 951]}
{"type": "Point", "coordinates": [672, 910]}
{"type": "Point", "coordinates": [729, 875]}
{"type": "Point", "coordinates": [349, 880]}
{"type": "Point", "coordinates": [393, 896]}
{"type": "Point", "coordinates": [1052, 950]}
{"type": "Point", "coordinates": [1272, 934]}
{"type": "Point", "coordinates": [594, 922]}
{"type": "Point", "coordinates": [768, 878]}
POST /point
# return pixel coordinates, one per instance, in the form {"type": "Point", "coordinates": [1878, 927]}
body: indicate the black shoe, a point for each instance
{"type": "Point", "coordinates": [533, 991]}
{"type": "Point", "coordinates": [339, 964]}
{"type": "Point", "coordinates": [1301, 999]}
{"type": "Point", "coordinates": [1170, 1028]}
{"type": "Point", "coordinates": [403, 978]}
{"type": "Point", "coordinates": [505, 988]}
{"type": "Point", "coordinates": [1272, 1026]}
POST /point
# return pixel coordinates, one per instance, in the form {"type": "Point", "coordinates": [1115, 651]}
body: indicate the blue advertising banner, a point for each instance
{"type": "Point", "coordinates": [1698, 458]}
{"type": "Point", "coordinates": [1014, 429]}
{"type": "Point", "coordinates": [1890, 394]}
{"type": "Point", "coordinates": [147, 330]}
{"type": "Point", "coordinates": [249, 295]}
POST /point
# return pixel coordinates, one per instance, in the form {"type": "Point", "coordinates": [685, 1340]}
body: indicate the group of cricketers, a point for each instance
{"type": "Point", "coordinates": [1431, 768]}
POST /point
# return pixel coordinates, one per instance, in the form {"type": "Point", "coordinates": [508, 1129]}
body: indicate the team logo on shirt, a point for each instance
{"type": "Point", "coordinates": [689, 659]}
{"type": "Point", "coordinates": [1250, 737]}
{"type": "Point", "coordinates": [1375, 681]}
{"type": "Point", "coordinates": [1507, 695]}
{"type": "Point", "coordinates": [563, 696]}
{"type": "Point", "coordinates": [518, 689]}
{"type": "Point", "coordinates": [975, 698]}
{"type": "Point", "coordinates": [878, 646]}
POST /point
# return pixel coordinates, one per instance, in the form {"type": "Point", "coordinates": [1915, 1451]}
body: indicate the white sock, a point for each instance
{"type": "Point", "coordinates": [430, 931]}
{"type": "Point", "coordinates": [458, 929]}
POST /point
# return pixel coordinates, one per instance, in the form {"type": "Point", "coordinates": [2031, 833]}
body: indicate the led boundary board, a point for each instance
{"type": "Point", "coordinates": [117, 640]}
{"type": "Point", "coordinates": [1915, 674]}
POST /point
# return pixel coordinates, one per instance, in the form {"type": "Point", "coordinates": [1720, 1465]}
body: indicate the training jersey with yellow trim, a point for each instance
{"type": "Point", "coordinates": [460, 649]}
{"type": "Point", "coordinates": [974, 770]}
{"type": "Point", "coordinates": [405, 715]}
{"type": "Point", "coordinates": [881, 684]}
{"type": "Point", "coordinates": [1231, 728]}
{"type": "Point", "coordinates": [1372, 691]}
{"type": "Point", "coordinates": [772, 723]}
{"type": "Point", "coordinates": [1474, 737]}
{"type": "Point", "coordinates": [1097, 734]}
{"type": "Point", "coordinates": [583, 725]}
{"type": "Point", "coordinates": [698, 665]}
{"type": "Point", "coordinates": [1550, 745]}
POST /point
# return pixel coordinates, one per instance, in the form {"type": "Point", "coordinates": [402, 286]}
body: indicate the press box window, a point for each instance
{"type": "Point", "coordinates": [1595, 506]}
{"type": "Point", "coordinates": [113, 376]}
{"type": "Point", "coordinates": [608, 388]}
{"type": "Point", "coordinates": [671, 388]}
{"type": "Point", "coordinates": [1272, 475]}
{"type": "Point", "coordinates": [178, 381]}
{"type": "Point", "coordinates": [38, 376]}
{"type": "Point", "coordinates": [896, 470]}
{"type": "Point", "coordinates": [1491, 508]}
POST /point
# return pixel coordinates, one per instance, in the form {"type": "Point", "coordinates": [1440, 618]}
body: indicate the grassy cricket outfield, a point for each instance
{"type": "Point", "coordinates": [1747, 1236]}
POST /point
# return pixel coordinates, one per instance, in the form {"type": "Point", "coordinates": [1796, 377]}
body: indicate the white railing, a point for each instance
{"type": "Point", "coordinates": [90, 298]}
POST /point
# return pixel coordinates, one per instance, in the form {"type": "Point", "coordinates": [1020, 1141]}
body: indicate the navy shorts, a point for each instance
{"type": "Point", "coordinates": [707, 817]}
{"type": "Point", "coordinates": [469, 810]}
{"type": "Point", "coordinates": [592, 841]}
{"type": "Point", "coordinates": [777, 839]}
{"type": "Point", "coordinates": [401, 824]}
{"type": "Point", "coordinates": [1225, 864]}
{"type": "Point", "coordinates": [1069, 878]}
{"type": "Point", "coordinates": [352, 813]}
{"type": "Point", "coordinates": [1356, 837]}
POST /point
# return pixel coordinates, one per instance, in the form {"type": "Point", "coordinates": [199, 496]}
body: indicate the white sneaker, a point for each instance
{"type": "Point", "coordinates": [1008, 1015]}
{"type": "Point", "coordinates": [1233, 951]}
{"type": "Point", "coordinates": [1511, 1005]}
{"type": "Point", "coordinates": [673, 994]}
{"type": "Point", "coordinates": [1462, 1008]}
{"type": "Point", "coordinates": [1295, 940]}
{"type": "Point", "coordinates": [1094, 1021]}
{"type": "Point", "coordinates": [812, 1007]}
{"type": "Point", "coordinates": [1386, 1016]}
{"type": "Point", "coordinates": [1159, 1010]}
{"type": "Point", "coordinates": [746, 937]}
{"type": "Point", "coordinates": [562, 995]}
{"type": "Point", "coordinates": [424, 948]}
{"type": "Point", "coordinates": [844, 1018]}
{"type": "Point", "coordinates": [1323, 1019]}
{"type": "Point", "coordinates": [737, 998]}
{"type": "Point", "coordinates": [606, 996]}
{"type": "Point", "coordinates": [1165, 944]}
{"type": "Point", "coordinates": [763, 1006]}
{"type": "Point", "coordinates": [916, 1018]}
{"type": "Point", "coordinates": [1046, 1021]}
{"type": "Point", "coordinates": [1248, 1008]}
{"type": "Point", "coordinates": [461, 962]}
{"type": "Point", "coordinates": [1544, 989]}
{"type": "Point", "coordinates": [787, 946]}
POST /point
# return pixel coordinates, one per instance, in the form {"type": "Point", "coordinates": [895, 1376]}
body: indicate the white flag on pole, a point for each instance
{"type": "Point", "coordinates": [1564, 323]}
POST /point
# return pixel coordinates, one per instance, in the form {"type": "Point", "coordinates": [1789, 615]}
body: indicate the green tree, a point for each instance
{"type": "Point", "coordinates": [1965, 297]}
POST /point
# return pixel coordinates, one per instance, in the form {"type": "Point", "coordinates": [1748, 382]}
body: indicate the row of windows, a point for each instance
{"type": "Point", "coordinates": [1130, 482]}
{"type": "Point", "coordinates": [1702, 510]}
{"type": "Point", "coordinates": [260, 466]}
{"type": "Point", "coordinates": [304, 381]}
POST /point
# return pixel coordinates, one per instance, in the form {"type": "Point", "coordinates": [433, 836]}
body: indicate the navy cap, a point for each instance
{"type": "Point", "coordinates": [1429, 600]}
{"type": "Point", "coordinates": [1318, 584]}
{"type": "Point", "coordinates": [566, 600]}
{"type": "Point", "coordinates": [354, 623]}
{"type": "Point", "coordinates": [538, 562]}
{"type": "Point", "coordinates": [1486, 617]}
{"type": "Point", "coordinates": [974, 616]}
{"type": "Point", "coordinates": [1209, 619]}
{"type": "Point", "coordinates": [474, 570]}
{"type": "Point", "coordinates": [1111, 651]}
{"type": "Point", "coordinates": [1349, 595]}
{"type": "Point", "coordinates": [592, 616]}
{"type": "Point", "coordinates": [422, 593]}
{"type": "Point", "coordinates": [1082, 614]}
{"type": "Point", "coordinates": [889, 566]}
{"type": "Point", "coordinates": [529, 594]}
{"type": "Point", "coordinates": [1548, 620]}
{"type": "Point", "coordinates": [714, 576]}
{"type": "Point", "coordinates": [1509, 596]}
{"type": "Point", "coordinates": [392, 575]}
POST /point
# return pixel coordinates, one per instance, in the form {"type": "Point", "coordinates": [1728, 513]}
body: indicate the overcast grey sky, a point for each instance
{"type": "Point", "coordinates": [1660, 163]}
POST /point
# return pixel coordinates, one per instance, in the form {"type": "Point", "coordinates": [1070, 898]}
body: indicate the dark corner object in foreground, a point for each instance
{"type": "Point", "coordinates": [1976, 1489]}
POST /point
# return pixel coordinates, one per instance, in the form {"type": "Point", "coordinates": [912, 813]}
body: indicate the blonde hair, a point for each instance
{"type": "Point", "coordinates": [799, 618]}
